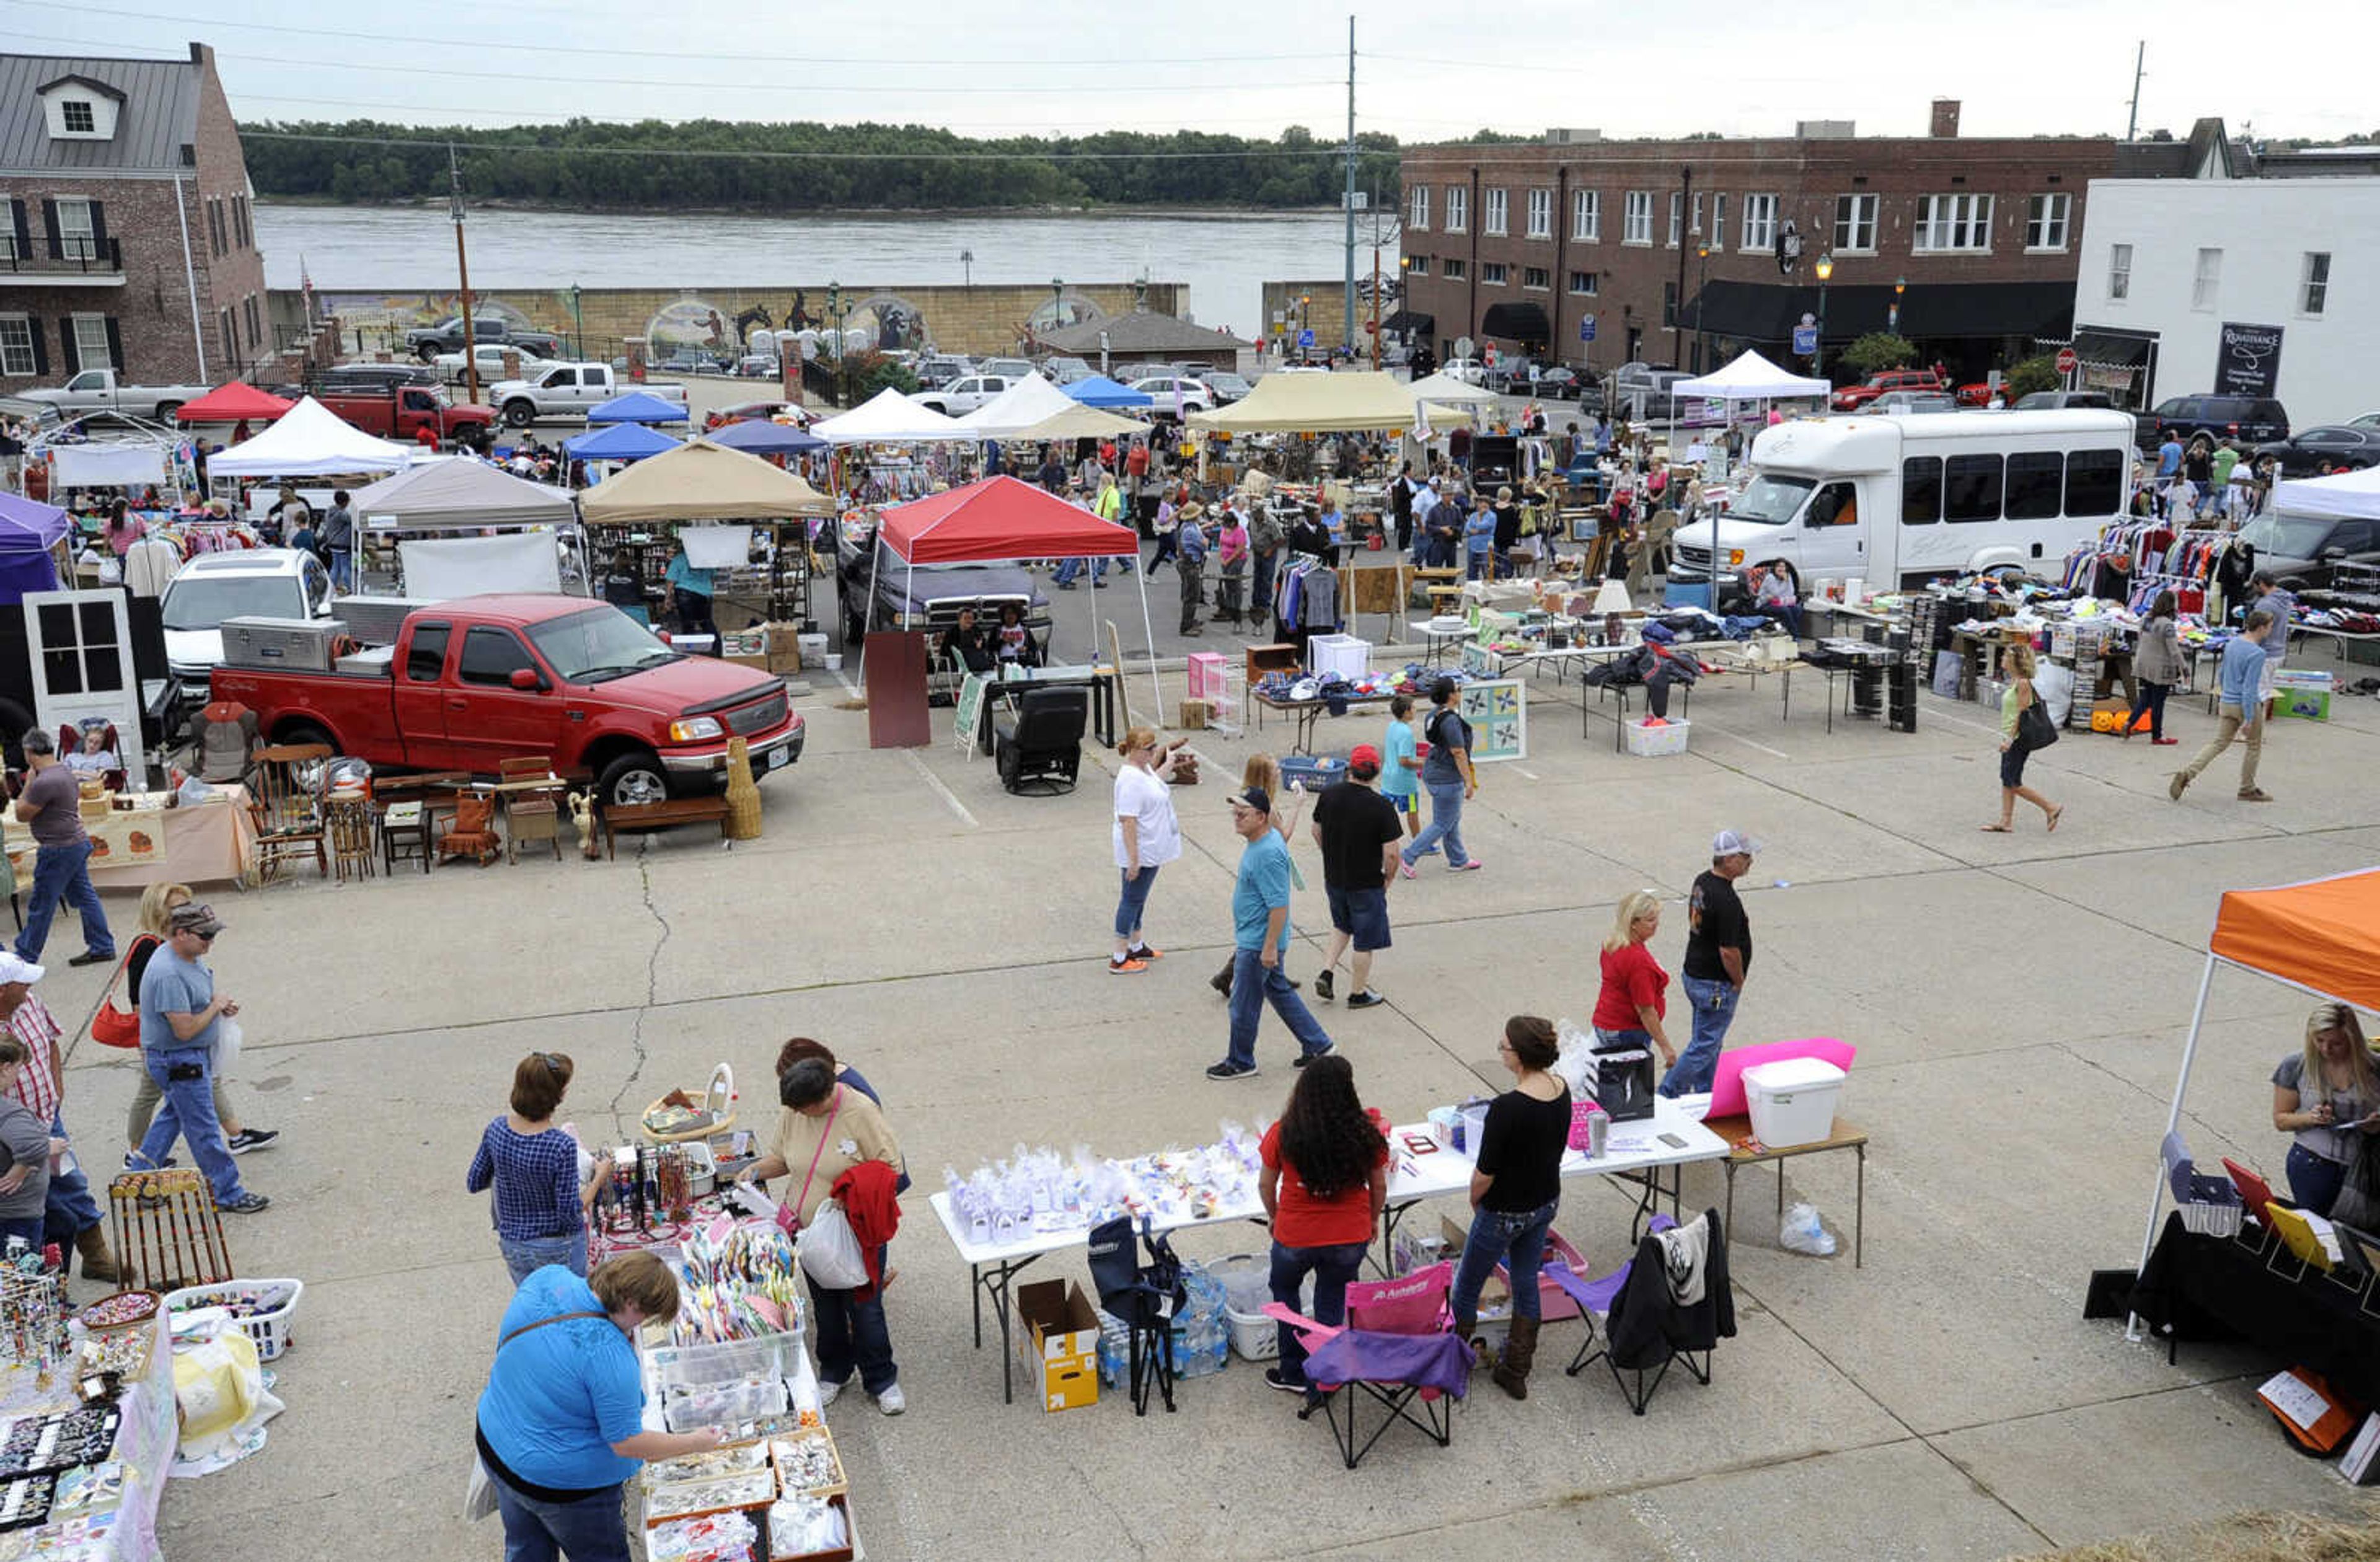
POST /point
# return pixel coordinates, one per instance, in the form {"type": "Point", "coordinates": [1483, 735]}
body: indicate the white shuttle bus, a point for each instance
{"type": "Point", "coordinates": [1898, 500]}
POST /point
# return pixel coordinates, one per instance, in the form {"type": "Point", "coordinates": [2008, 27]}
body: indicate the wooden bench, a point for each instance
{"type": "Point", "coordinates": [637, 817]}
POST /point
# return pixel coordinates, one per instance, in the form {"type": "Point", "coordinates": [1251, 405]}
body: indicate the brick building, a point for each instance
{"type": "Point", "coordinates": [1676, 248]}
{"type": "Point", "coordinates": [126, 239]}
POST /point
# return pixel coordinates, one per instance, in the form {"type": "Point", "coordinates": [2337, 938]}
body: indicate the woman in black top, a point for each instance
{"type": "Point", "coordinates": [1516, 1187]}
{"type": "Point", "coordinates": [969, 643]}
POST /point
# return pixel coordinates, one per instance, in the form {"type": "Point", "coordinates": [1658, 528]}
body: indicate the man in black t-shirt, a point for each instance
{"type": "Point", "coordinates": [1359, 832]}
{"type": "Point", "coordinates": [1718, 953]}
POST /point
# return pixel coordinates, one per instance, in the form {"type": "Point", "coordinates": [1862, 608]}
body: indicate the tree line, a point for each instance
{"type": "Point", "coordinates": [652, 165]}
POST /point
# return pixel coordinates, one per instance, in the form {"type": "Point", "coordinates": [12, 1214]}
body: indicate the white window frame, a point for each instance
{"type": "Point", "coordinates": [1541, 213]}
{"type": "Point", "coordinates": [77, 244]}
{"type": "Point", "coordinates": [2206, 279]}
{"type": "Point", "coordinates": [66, 116]}
{"type": "Point", "coordinates": [1493, 273]}
{"type": "Point", "coordinates": [1417, 207]}
{"type": "Point", "coordinates": [1867, 212]}
{"type": "Point", "coordinates": [1495, 211]}
{"type": "Point", "coordinates": [2313, 292]}
{"type": "Point", "coordinates": [1716, 235]}
{"type": "Point", "coordinates": [2119, 272]}
{"type": "Point", "coordinates": [1759, 222]}
{"type": "Point", "coordinates": [1959, 223]}
{"type": "Point", "coordinates": [1638, 222]}
{"type": "Point", "coordinates": [87, 356]}
{"type": "Point", "coordinates": [1586, 216]}
{"type": "Point", "coordinates": [1586, 292]}
{"type": "Point", "coordinates": [1458, 208]}
{"type": "Point", "coordinates": [2049, 219]}
{"type": "Point", "coordinates": [10, 360]}
{"type": "Point", "coordinates": [1546, 274]}
{"type": "Point", "coordinates": [1416, 266]}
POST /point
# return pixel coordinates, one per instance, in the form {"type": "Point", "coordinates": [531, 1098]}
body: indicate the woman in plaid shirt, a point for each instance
{"type": "Point", "coordinates": [540, 1212]}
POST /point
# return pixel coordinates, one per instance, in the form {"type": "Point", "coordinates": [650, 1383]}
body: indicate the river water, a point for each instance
{"type": "Point", "coordinates": [1224, 257]}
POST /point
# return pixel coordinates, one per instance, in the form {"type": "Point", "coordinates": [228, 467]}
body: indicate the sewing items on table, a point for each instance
{"type": "Point", "coordinates": [719, 1537]}
{"type": "Point", "coordinates": [799, 1526]}
{"type": "Point", "coordinates": [808, 1464]}
{"type": "Point", "coordinates": [1038, 1191]}
{"type": "Point", "coordinates": [737, 1459]}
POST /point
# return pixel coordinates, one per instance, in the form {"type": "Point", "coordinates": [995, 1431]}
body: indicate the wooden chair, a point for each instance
{"type": "Point", "coordinates": [472, 832]}
{"type": "Point", "coordinates": [285, 798]}
{"type": "Point", "coordinates": [534, 814]}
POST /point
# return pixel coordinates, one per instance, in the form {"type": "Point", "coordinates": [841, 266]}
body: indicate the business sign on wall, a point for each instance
{"type": "Point", "coordinates": [2248, 360]}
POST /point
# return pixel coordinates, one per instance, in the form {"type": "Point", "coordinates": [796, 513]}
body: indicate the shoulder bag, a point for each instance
{"type": "Point", "coordinates": [479, 1494]}
{"type": "Point", "coordinates": [110, 1026]}
{"type": "Point", "coordinates": [2033, 727]}
{"type": "Point", "coordinates": [789, 1214]}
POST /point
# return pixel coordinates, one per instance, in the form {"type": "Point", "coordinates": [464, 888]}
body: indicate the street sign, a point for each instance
{"type": "Point", "coordinates": [1491, 356]}
{"type": "Point", "coordinates": [1462, 345]}
{"type": "Point", "coordinates": [1305, 339]}
{"type": "Point", "coordinates": [1586, 329]}
{"type": "Point", "coordinates": [2067, 361]}
{"type": "Point", "coordinates": [1805, 339]}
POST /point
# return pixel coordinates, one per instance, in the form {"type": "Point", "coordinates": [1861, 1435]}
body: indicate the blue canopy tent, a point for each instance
{"type": "Point", "coordinates": [29, 530]}
{"type": "Point", "coordinates": [621, 442]}
{"type": "Point", "coordinates": [1100, 391]}
{"type": "Point", "coordinates": [638, 407]}
{"type": "Point", "coordinates": [757, 436]}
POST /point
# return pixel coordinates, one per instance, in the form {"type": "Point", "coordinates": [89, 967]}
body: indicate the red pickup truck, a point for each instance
{"type": "Point", "coordinates": [474, 682]}
{"type": "Point", "coordinates": [400, 412]}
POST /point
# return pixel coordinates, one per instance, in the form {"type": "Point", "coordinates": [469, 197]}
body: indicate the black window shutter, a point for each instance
{"type": "Point", "coordinates": [16, 221]}
{"type": "Point", "coordinates": [50, 222]}
{"type": "Point", "coordinates": [40, 347]}
{"type": "Point", "coordinates": [114, 343]}
{"type": "Point", "coordinates": [99, 230]}
{"type": "Point", "coordinates": [69, 359]}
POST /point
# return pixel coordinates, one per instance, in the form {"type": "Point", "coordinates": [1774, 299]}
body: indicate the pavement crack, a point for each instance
{"type": "Point", "coordinates": [652, 979]}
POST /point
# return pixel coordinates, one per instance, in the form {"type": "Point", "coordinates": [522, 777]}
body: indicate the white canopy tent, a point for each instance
{"type": "Point", "coordinates": [2348, 496]}
{"type": "Point", "coordinates": [451, 495]}
{"type": "Point", "coordinates": [1752, 378]}
{"type": "Point", "coordinates": [890, 417]}
{"type": "Point", "coordinates": [310, 440]}
{"type": "Point", "coordinates": [1443, 389]}
{"type": "Point", "coordinates": [1035, 409]}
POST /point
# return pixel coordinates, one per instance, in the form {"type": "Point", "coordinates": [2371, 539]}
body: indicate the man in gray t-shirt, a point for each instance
{"type": "Point", "coordinates": [50, 806]}
{"type": "Point", "coordinates": [181, 1020]}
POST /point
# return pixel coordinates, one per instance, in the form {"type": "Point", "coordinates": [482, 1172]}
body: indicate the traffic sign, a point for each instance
{"type": "Point", "coordinates": [1305, 339]}
{"type": "Point", "coordinates": [1805, 339]}
{"type": "Point", "coordinates": [1491, 356]}
{"type": "Point", "coordinates": [2067, 361]}
{"type": "Point", "coordinates": [1586, 329]}
{"type": "Point", "coordinates": [1463, 347]}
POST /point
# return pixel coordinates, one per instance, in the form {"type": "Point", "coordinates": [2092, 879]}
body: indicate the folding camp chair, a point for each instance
{"type": "Point", "coordinates": [1147, 1296]}
{"type": "Point", "coordinates": [1644, 1326]}
{"type": "Point", "coordinates": [1397, 1348]}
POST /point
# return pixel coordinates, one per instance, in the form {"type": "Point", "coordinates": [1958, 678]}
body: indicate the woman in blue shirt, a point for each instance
{"type": "Point", "coordinates": [561, 1423]}
{"type": "Point", "coordinates": [1479, 543]}
{"type": "Point", "coordinates": [690, 592]}
{"type": "Point", "coordinates": [540, 1212]}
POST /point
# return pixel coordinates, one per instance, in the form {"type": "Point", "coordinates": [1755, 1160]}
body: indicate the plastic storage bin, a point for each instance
{"type": "Point", "coordinates": [262, 1308]}
{"type": "Point", "coordinates": [1793, 1101]}
{"type": "Point", "coordinates": [1313, 771]}
{"type": "Point", "coordinates": [1339, 655]}
{"type": "Point", "coordinates": [1653, 742]}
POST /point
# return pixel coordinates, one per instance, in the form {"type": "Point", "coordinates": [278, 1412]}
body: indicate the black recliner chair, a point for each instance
{"type": "Point", "coordinates": [1042, 744]}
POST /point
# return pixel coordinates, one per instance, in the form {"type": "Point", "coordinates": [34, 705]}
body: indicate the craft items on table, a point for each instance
{"type": "Point", "coordinates": [809, 1526]}
{"type": "Point", "coordinates": [721, 1537]}
{"type": "Point", "coordinates": [32, 1324]}
{"type": "Point", "coordinates": [1038, 1191]}
{"type": "Point", "coordinates": [748, 1489]}
{"type": "Point", "coordinates": [808, 1464]}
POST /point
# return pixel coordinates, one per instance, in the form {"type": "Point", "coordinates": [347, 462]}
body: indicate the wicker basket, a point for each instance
{"type": "Point", "coordinates": [717, 1100]}
{"type": "Point", "coordinates": [139, 1318]}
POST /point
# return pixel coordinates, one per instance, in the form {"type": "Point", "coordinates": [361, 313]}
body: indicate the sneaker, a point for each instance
{"type": "Point", "coordinates": [246, 1140]}
{"type": "Point", "coordinates": [2181, 781]}
{"type": "Point", "coordinates": [1322, 984]}
{"type": "Point", "coordinates": [2256, 794]}
{"type": "Point", "coordinates": [1406, 869]}
{"type": "Point", "coordinates": [893, 1401]}
{"type": "Point", "coordinates": [1365, 999]}
{"type": "Point", "coordinates": [247, 1203]}
{"type": "Point", "coordinates": [1276, 1378]}
{"type": "Point", "coordinates": [90, 958]}
{"type": "Point", "coordinates": [1126, 967]}
{"type": "Point", "coordinates": [1306, 1057]}
{"type": "Point", "coordinates": [826, 1392]}
{"type": "Point", "coordinates": [1227, 1070]}
{"type": "Point", "coordinates": [130, 1156]}
{"type": "Point", "coordinates": [1470, 867]}
{"type": "Point", "coordinates": [2163, 742]}
{"type": "Point", "coordinates": [1144, 952]}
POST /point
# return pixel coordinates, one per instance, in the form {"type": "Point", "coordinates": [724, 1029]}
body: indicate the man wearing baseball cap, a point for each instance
{"type": "Point", "coordinates": [71, 1215]}
{"type": "Point", "coordinates": [1260, 932]}
{"type": "Point", "coordinates": [1718, 953]}
{"type": "Point", "coordinates": [181, 1020]}
{"type": "Point", "coordinates": [1359, 832]}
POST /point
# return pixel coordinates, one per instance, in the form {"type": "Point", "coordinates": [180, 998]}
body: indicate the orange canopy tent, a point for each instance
{"type": "Point", "coordinates": [2322, 936]}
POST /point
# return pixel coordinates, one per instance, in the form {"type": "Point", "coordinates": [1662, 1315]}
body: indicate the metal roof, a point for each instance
{"type": "Point", "coordinates": [1139, 331]}
{"type": "Point", "coordinates": [159, 116]}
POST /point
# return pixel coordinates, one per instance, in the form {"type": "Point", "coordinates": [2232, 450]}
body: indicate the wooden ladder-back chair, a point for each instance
{"type": "Point", "coordinates": [285, 798]}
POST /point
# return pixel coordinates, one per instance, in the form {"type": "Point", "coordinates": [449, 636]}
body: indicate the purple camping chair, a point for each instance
{"type": "Point", "coordinates": [1397, 1348]}
{"type": "Point", "coordinates": [1593, 1296]}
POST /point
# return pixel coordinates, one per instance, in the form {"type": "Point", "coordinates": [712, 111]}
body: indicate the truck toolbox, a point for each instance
{"type": "Point", "coordinates": [303, 643]}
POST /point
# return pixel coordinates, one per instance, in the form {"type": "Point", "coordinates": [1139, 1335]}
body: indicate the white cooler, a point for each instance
{"type": "Point", "coordinates": [1793, 1101]}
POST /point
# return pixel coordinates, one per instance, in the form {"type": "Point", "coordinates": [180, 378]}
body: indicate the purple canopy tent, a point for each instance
{"type": "Point", "coordinates": [29, 530]}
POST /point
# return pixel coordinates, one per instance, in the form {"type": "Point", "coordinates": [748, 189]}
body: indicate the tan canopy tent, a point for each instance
{"type": "Point", "coordinates": [1314, 404]}
{"type": "Point", "coordinates": [701, 480]}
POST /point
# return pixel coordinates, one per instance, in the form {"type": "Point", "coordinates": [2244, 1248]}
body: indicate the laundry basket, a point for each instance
{"type": "Point", "coordinates": [262, 1308]}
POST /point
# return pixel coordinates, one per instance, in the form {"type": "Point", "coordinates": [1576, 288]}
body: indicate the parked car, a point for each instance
{"type": "Point", "coordinates": [2364, 420]}
{"type": "Point", "coordinates": [1173, 393]}
{"type": "Point", "coordinates": [427, 342]}
{"type": "Point", "coordinates": [1125, 373]}
{"type": "Point", "coordinates": [2302, 549]}
{"type": "Point", "coordinates": [937, 369]}
{"type": "Point", "coordinates": [929, 597]}
{"type": "Point", "coordinates": [1649, 385]}
{"type": "Point", "coordinates": [490, 357]}
{"type": "Point", "coordinates": [2308, 451]}
{"type": "Point", "coordinates": [104, 390]}
{"type": "Point", "coordinates": [965, 395]}
{"type": "Point", "coordinates": [565, 390]}
{"type": "Point", "coordinates": [687, 361]}
{"type": "Point", "coordinates": [1892, 403]}
{"type": "Point", "coordinates": [2251, 419]}
{"type": "Point", "coordinates": [1007, 368]}
{"type": "Point", "coordinates": [248, 583]}
{"type": "Point", "coordinates": [1850, 399]}
{"type": "Point", "coordinates": [2059, 400]}
{"type": "Point", "coordinates": [1470, 371]}
{"type": "Point", "coordinates": [758, 366]}
{"type": "Point", "coordinates": [1066, 371]}
{"type": "Point", "coordinates": [581, 685]}
{"type": "Point", "coordinates": [1226, 386]}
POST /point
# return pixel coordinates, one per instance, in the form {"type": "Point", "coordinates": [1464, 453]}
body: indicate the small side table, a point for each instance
{"type": "Point", "coordinates": [1744, 1150]}
{"type": "Point", "coordinates": [405, 835]}
{"type": "Point", "coordinates": [348, 821]}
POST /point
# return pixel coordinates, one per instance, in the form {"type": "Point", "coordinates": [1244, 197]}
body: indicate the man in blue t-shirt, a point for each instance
{"type": "Point", "coordinates": [2241, 711]}
{"type": "Point", "coordinates": [2168, 469]}
{"type": "Point", "coordinates": [1260, 934]}
{"type": "Point", "coordinates": [181, 1020]}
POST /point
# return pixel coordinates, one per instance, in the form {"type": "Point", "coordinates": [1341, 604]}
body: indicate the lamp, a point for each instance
{"type": "Point", "coordinates": [1825, 269]}
{"type": "Point", "coordinates": [1610, 597]}
{"type": "Point", "coordinates": [1899, 286]}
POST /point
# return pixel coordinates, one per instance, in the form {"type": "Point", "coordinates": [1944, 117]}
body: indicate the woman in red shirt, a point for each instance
{"type": "Point", "coordinates": [1324, 1184]}
{"type": "Point", "coordinates": [1636, 989]}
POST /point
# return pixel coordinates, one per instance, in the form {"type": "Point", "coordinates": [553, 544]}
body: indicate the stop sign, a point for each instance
{"type": "Point", "coordinates": [2066, 362]}
{"type": "Point", "coordinates": [1491, 358]}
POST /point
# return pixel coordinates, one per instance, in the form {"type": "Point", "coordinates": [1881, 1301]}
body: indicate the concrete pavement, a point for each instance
{"type": "Point", "coordinates": [2018, 1002]}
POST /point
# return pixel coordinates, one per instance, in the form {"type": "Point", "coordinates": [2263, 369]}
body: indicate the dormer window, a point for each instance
{"type": "Point", "coordinates": [77, 117]}
{"type": "Point", "coordinates": [78, 108]}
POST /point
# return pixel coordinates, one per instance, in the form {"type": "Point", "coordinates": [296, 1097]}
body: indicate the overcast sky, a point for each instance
{"type": "Point", "coordinates": [1425, 69]}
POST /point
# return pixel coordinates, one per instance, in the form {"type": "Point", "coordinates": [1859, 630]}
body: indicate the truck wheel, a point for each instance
{"type": "Point", "coordinates": [165, 410]}
{"type": "Point", "coordinates": [301, 734]}
{"type": "Point", "coordinates": [427, 352]}
{"type": "Point", "coordinates": [632, 779]}
{"type": "Point", "coordinates": [520, 414]}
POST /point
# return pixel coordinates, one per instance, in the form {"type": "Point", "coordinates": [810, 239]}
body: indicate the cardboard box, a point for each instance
{"type": "Point", "coordinates": [1195, 715]}
{"type": "Point", "coordinates": [759, 663]}
{"type": "Point", "coordinates": [784, 648]}
{"type": "Point", "coordinates": [1058, 1334]}
{"type": "Point", "coordinates": [2301, 704]}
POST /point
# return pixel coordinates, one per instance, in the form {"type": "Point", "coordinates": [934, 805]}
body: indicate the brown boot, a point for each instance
{"type": "Point", "coordinates": [98, 1264]}
{"type": "Point", "coordinates": [1512, 1372]}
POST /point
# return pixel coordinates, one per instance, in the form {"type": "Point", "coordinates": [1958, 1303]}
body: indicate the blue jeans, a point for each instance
{"type": "Point", "coordinates": [63, 872]}
{"type": "Point", "coordinates": [1332, 1266]}
{"type": "Point", "coordinates": [29, 1226]}
{"type": "Point", "coordinates": [1519, 1241]}
{"type": "Point", "coordinates": [852, 1333]}
{"type": "Point", "coordinates": [1697, 1066]}
{"type": "Point", "coordinates": [343, 569]}
{"type": "Point", "coordinates": [1253, 984]}
{"type": "Point", "coordinates": [188, 1113]}
{"type": "Point", "coordinates": [1260, 599]}
{"type": "Point", "coordinates": [69, 1210]}
{"type": "Point", "coordinates": [1445, 824]}
{"type": "Point", "coordinates": [1135, 896]}
{"type": "Point", "coordinates": [1070, 568]}
{"type": "Point", "coordinates": [593, 1529]}
{"type": "Point", "coordinates": [1478, 565]}
{"type": "Point", "coordinates": [526, 1256]}
{"type": "Point", "coordinates": [2314, 1181]}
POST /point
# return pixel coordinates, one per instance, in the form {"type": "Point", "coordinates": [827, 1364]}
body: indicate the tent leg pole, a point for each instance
{"type": "Point", "coordinates": [2172, 1121]}
{"type": "Point", "coordinates": [868, 612]}
{"type": "Point", "coordinates": [1156, 689]}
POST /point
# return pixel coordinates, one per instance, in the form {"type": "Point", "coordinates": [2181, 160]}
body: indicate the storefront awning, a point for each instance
{"type": "Point", "coordinates": [1767, 312]}
{"type": "Point", "coordinates": [1517, 322]}
{"type": "Point", "coordinates": [2113, 349]}
{"type": "Point", "coordinates": [1406, 320]}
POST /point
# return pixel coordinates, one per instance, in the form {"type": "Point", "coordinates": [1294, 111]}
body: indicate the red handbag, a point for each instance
{"type": "Point", "coordinates": [110, 1026]}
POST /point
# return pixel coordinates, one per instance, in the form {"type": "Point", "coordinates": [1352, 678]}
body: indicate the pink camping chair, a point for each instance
{"type": "Point", "coordinates": [1397, 1348]}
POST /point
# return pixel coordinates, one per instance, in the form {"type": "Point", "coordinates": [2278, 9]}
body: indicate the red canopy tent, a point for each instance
{"type": "Point", "coordinates": [237, 402]}
{"type": "Point", "coordinates": [1000, 519]}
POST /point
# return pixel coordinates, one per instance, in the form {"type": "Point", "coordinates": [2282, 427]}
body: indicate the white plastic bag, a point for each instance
{"type": "Point", "coordinates": [829, 1251]}
{"type": "Point", "coordinates": [1802, 1233]}
{"type": "Point", "coordinates": [228, 1040]}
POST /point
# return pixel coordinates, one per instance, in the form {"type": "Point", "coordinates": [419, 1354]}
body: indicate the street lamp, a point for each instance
{"type": "Point", "coordinates": [1701, 346]}
{"type": "Point", "coordinates": [1305, 322]}
{"type": "Point", "coordinates": [577, 325]}
{"type": "Point", "coordinates": [834, 306]}
{"type": "Point", "coordinates": [967, 259]}
{"type": "Point", "coordinates": [1899, 286]}
{"type": "Point", "coordinates": [1057, 303]}
{"type": "Point", "coordinates": [1825, 269]}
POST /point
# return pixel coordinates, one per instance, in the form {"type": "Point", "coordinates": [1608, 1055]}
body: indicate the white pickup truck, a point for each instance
{"type": "Point", "coordinates": [101, 390]}
{"type": "Point", "coordinates": [565, 390]}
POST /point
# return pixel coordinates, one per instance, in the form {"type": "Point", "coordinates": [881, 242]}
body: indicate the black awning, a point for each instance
{"type": "Point", "coordinates": [2108, 349]}
{"type": "Point", "coordinates": [1517, 322]}
{"type": "Point", "coordinates": [1767, 312]}
{"type": "Point", "coordinates": [1405, 320]}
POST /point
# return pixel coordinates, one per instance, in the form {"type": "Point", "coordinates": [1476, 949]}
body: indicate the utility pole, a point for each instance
{"type": "Point", "coordinates": [2140, 60]}
{"type": "Point", "coordinates": [1348, 197]}
{"type": "Point", "coordinates": [463, 269]}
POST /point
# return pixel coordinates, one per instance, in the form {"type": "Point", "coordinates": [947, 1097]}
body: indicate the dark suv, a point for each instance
{"type": "Point", "coordinates": [2252, 420]}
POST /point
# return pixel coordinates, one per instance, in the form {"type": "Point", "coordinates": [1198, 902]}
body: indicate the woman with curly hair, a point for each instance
{"type": "Point", "coordinates": [1324, 1184]}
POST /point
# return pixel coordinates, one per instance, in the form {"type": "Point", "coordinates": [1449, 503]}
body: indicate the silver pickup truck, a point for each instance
{"type": "Point", "coordinates": [101, 390]}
